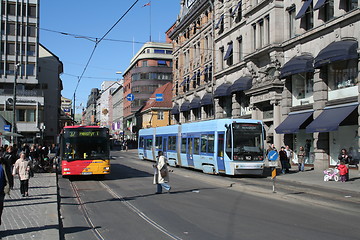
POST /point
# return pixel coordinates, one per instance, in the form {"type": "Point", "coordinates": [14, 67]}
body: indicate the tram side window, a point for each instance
{"type": "Point", "coordinates": [158, 142]}
{"type": "Point", "coordinates": [228, 143]}
{"type": "Point", "coordinates": [148, 143]}
{"type": "Point", "coordinates": [204, 143]}
{"type": "Point", "coordinates": [183, 145]}
{"type": "Point", "coordinates": [196, 146]}
{"type": "Point", "coordinates": [172, 143]}
{"type": "Point", "coordinates": [211, 142]}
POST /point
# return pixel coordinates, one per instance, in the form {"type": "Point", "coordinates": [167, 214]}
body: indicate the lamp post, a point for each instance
{"type": "Point", "coordinates": [13, 129]}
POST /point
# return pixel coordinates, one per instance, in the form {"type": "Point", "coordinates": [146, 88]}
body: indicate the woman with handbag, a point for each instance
{"type": "Point", "coordinates": [22, 168]}
{"type": "Point", "coordinates": [161, 176]}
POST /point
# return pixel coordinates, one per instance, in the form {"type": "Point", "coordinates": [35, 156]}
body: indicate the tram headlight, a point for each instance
{"type": "Point", "coordinates": [106, 168]}
{"type": "Point", "coordinates": [66, 169]}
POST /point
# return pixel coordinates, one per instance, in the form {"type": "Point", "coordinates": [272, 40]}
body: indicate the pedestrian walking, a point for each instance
{"type": "Point", "coordinates": [9, 160]}
{"type": "Point", "coordinates": [343, 170]}
{"type": "Point", "coordinates": [161, 173]}
{"type": "Point", "coordinates": [301, 158]}
{"type": "Point", "coordinates": [284, 160]}
{"type": "Point", "coordinates": [22, 168]}
{"type": "Point", "coordinates": [2, 189]}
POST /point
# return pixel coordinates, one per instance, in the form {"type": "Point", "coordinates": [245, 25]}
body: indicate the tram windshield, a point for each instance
{"type": "Point", "coordinates": [246, 141]}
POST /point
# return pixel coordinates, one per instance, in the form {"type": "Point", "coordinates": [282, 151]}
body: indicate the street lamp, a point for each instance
{"type": "Point", "coordinates": [13, 129]}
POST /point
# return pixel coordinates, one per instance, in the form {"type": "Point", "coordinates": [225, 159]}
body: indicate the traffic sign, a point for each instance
{"type": "Point", "coordinates": [7, 128]}
{"type": "Point", "coordinates": [130, 97]}
{"type": "Point", "coordinates": [159, 97]}
{"type": "Point", "coordinates": [273, 155]}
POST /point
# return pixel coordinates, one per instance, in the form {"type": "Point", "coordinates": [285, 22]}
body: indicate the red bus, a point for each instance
{"type": "Point", "coordinates": [84, 150]}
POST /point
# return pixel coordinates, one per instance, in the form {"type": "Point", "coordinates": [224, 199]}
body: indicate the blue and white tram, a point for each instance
{"type": "Point", "coordinates": [229, 146]}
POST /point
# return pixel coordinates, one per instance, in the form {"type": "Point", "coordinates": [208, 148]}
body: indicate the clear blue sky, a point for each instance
{"type": "Point", "coordinates": [94, 19]}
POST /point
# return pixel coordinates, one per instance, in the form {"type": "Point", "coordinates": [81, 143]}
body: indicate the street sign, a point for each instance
{"type": "Point", "coordinates": [273, 155]}
{"type": "Point", "coordinates": [130, 97]}
{"type": "Point", "coordinates": [159, 97]}
{"type": "Point", "coordinates": [7, 128]}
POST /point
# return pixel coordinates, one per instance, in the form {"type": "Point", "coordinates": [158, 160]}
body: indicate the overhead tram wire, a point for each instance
{"type": "Point", "coordinates": [93, 51]}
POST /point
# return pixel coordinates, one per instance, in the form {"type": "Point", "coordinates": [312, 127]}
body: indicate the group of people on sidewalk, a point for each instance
{"type": "Point", "coordinates": [286, 155]}
{"type": "Point", "coordinates": [12, 164]}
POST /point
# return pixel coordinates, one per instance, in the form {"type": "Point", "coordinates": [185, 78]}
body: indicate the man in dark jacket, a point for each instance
{"type": "Point", "coordinates": [2, 192]}
{"type": "Point", "coordinates": [284, 160]}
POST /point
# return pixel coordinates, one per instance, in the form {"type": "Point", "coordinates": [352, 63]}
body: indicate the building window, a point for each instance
{"type": "Point", "coordinates": [351, 4]}
{"type": "Point", "coordinates": [221, 62]}
{"type": "Point", "coordinates": [25, 115]}
{"type": "Point", "coordinates": [160, 115]}
{"type": "Point", "coordinates": [144, 63]}
{"type": "Point", "coordinates": [342, 74]}
{"type": "Point", "coordinates": [302, 88]}
{"type": "Point", "coordinates": [11, 29]}
{"type": "Point", "coordinates": [328, 10]}
{"type": "Point", "coordinates": [209, 111]}
{"type": "Point", "coordinates": [31, 31]}
{"type": "Point", "coordinates": [267, 23]}
{"type": "Point", "coordinates": [254, 36]}
{"type": "Point", "coordinates": [291, 14]}
{"type": "Point", "coordinates": [11, 48]}
{"type": "Point", "coordinates": [261, 33]}
{"type": "Point", "coordinates": [11, 9]}
{"type": "Point", "coordinates": [198, 78]}
{"type": "Point", "coordinates": [239, 12]}
{"type": "Point", "coordinates": [309, 18]}
{"type": "Point", "coordinates": [30, 69]}
{"type": "Point", "coordinates": [32, 11]}
{"type": "Point", "coordinates": [240, 48]}
{"type": "Point", "coordinates": [197, 113]}
{"type": "Point", "coordinates": [160, 51]}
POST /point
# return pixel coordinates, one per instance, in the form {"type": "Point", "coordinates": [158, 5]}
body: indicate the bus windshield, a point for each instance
{"type": "Point", "coordinates": [85, 145]}
{"type": "Point", "coordinates": [246, 141]}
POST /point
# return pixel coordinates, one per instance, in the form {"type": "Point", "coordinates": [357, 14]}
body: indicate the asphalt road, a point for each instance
{"type": "Point", "coordinates": [200, 206]}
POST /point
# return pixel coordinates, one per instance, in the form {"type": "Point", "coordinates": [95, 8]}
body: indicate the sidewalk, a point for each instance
{"type": "Point", "coordinates": [316, 178]}
{"type": "Point", "coordinates": [33, 217]}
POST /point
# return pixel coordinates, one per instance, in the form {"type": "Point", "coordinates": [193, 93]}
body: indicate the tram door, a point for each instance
{"type": "Point", "coordinates": [220, 152]}
{"type": "Point", "coordinates": [190, 151]}
{"type": "Point", "coordinates": [164, 143]}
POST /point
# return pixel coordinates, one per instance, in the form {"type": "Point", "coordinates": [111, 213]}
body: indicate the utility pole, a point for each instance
{"type": "Point", "coordinates": [13, 128]}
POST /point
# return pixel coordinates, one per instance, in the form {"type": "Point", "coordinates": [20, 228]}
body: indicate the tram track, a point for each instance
{"type": "Point", "coordinates": [121, 199]}
{"type": "Point", "coordinates": [85, 213]}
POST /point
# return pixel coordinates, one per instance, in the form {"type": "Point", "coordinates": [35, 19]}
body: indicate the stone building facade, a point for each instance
{"type": "Point", "coordinates": [292, 64]}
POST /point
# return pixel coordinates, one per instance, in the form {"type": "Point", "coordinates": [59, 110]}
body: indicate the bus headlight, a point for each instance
{"type": "Point", "coordinates": [106, 168]}
{"type": "Point", "coordinates": [66, 169]}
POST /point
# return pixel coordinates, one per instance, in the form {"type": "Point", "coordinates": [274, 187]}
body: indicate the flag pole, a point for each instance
{"type": "Point", "coordinates": [150, 19]}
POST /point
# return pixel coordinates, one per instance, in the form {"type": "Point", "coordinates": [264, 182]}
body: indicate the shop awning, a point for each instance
{"type": "Point", "coordinates": [207, 100]}
{"type": "Point", "coordinates": [337, 51]}
{"type": "Point", "coordinates": [9, 134]}
{"type": "Point", "coordinates": [319, 4]}
{"type": "Point", "coordinates": [185, 106]}
{"type": "Point", "coordinates": [243, 83]}
{"type": "Point", "coordinates": [222, 91]}
{"type": "Point", "coordinates": [303, 9]}
{"type": "Point", "coordinates": [195, 103]}
{"type": "Point", "coordinates": [330, 119]}
{"type": "Point", "coordinates": [293, 122]}
{"type": "Point", "coordinates": [229, 52]}
{"type": "Point", "coordinates": [299, 64]}
{"type": "Point", "coordinates": [175, 110]}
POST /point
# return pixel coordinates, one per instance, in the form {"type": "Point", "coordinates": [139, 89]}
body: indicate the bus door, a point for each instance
{"type": "Point", "coordinates": [190, 151]}
{"type": "Point", "coordinates": [220, 152]}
